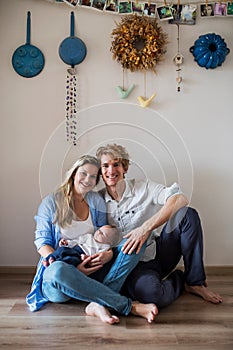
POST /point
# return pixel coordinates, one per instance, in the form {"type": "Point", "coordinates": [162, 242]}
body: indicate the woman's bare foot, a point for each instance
{"type": "Point", "coordinates": [94, 309]}
{"type": "Point", "coordinates": [148, 311]}
{"type": "Point", "coordinates": [205, 293]}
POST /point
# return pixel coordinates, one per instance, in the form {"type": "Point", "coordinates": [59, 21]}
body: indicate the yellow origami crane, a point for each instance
{"type": "Point", "coordinates": [146, 102]}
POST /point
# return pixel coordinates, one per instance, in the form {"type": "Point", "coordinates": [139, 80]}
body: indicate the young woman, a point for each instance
{"type": "Point", "coordinates": [75, 206]}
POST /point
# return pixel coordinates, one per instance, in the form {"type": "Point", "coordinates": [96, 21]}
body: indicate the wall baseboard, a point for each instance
{"type": "Point", "coordinates": [14, 270]}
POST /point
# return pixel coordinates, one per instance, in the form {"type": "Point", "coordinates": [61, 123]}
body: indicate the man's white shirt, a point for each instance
{"type": "Point", "coordinates": [140, 201]}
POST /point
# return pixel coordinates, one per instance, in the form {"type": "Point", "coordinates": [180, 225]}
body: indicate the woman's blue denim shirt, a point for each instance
{"type": "Point", "coordinates": [48, 233]}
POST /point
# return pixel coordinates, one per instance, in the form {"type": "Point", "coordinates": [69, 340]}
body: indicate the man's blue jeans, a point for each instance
{"type": "Point", "coordinates": [155, 281]}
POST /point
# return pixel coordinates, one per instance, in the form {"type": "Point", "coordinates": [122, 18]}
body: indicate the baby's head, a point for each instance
{"type": "Point", "coordinates": [108, 235]}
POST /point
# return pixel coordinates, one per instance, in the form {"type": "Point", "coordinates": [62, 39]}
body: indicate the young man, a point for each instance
{"type": "Point", "coordinates": [145, 211]}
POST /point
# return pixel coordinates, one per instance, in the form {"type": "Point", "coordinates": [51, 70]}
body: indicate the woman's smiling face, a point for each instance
{"type": "Point", "coordinates": [85, 178]}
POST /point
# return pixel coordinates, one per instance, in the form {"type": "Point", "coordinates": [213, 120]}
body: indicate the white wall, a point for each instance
{"type": "Point", "coordinates": [185, 137]}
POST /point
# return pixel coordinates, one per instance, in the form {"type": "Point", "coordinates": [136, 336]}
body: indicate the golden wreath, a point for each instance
{"type": "Point", "coordinates": [138, 43]}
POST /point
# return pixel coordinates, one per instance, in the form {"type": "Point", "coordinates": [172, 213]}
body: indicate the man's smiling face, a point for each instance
{"type": "Point", "coordinates": [112, 170]}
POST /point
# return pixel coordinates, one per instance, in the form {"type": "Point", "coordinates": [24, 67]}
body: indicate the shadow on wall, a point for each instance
{"type": "Point", "coordinates": [215, 212]}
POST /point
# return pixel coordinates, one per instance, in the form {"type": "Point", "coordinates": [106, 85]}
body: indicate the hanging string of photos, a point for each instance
{"type": "Point", "coordinates": [164, 10]}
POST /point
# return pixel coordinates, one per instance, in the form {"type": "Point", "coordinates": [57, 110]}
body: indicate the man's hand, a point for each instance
{"type": "Point", "coordinates": [135, 241]}
{"type": "Point", "coordinates": [137, 237]}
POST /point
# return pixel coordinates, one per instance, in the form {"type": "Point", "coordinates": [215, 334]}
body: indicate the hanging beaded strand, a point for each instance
{"type": "Point", "coordinates": [178, 60]}
{"type": "Point", "coordinates": [71, 107]}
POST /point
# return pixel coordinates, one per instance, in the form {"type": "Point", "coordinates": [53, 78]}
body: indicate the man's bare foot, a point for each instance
{"type": "Point", "coordinates": [94, 309]}
{"type": "Point", "coordinates": [148, 311]}
{"type": "Point", "coordinates": [205, 293]}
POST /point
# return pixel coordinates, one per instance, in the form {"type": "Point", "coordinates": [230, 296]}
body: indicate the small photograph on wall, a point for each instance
{"type": "Point", "coordinates": [125, 7]}
{"type": "Point", "coordinates": [230, 9]}
{"type": "Point", "coordinates": [176, 11]}
{"type": "Point", "coordinates": [111, 5]}
{"type": "Point", "coordinates": [150, 9]}
{"type": "Point", "coordinates": [220, 9]}
{"type": "Point", "coordinates": [189, 14]}
{"type": "Point", "coordinates": [207, 10]}
{"type": "Point", "coordinates": [184, 14]}
{"type": "Point", "coordinates": [137, 7]}
{"type": "Point", "coordinates": [98, 4]}
{"type": "Point", "coordinates": [72, 3]}
{"type": "Point", "coordinates": [164, 13]}
{"type": "Point", "coordinates": [85, 2]}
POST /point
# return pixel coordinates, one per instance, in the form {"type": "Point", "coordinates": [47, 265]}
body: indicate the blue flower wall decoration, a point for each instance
{"type": "Point", "coordinates": [210, 50]}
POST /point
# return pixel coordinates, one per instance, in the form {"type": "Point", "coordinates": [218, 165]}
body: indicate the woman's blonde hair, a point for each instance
{"type": "Point", "coordinates": [64, 194]}
{"type": "Point", "coordinates": [116, 152]}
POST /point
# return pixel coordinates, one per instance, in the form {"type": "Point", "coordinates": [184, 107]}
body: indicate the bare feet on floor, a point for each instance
{"type": "Point", "coordinates": [148, 311]}
{"type": "Point", "coordinates": [205, 293]}
{"type": "Point", "coordinates": [94, 309]}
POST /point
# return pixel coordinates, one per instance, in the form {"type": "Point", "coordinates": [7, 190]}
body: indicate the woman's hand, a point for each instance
{"type": "Point", "coordinates": [45, 250]}
{"type": "Point", "coordinates": [135, 241]}
{"type": "Point", "coordinates": [101, 258]}
{"type": "Point", "coordinates": [85, 267]}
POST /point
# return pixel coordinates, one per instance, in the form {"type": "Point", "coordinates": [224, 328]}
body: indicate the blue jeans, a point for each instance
{"type": "Point", "coordinates": [122, 266]}
{"type": "Point", "coordinates": [62, 281]}
{"type": "Point", "coordinates": [155, 281]}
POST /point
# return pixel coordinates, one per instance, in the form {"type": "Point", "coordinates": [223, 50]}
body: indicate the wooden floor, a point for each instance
{"type": "Point", "coordinates": [189, 323]}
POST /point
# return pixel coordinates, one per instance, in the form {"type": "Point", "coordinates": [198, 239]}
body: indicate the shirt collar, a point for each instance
{"type": "Point", "coordinates": [129, 191]}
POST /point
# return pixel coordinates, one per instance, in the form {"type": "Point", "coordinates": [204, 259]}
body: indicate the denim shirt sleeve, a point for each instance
{"type": "Point", "coordinates": [98, 210]}
{"type": "Point", "coordinates": [46, 233]}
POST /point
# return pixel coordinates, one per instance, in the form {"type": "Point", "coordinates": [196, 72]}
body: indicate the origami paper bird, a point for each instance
{"type": "Point", "coordinates": [124, 93]}
{"type": "Point", "coordinates": [145, 103]}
